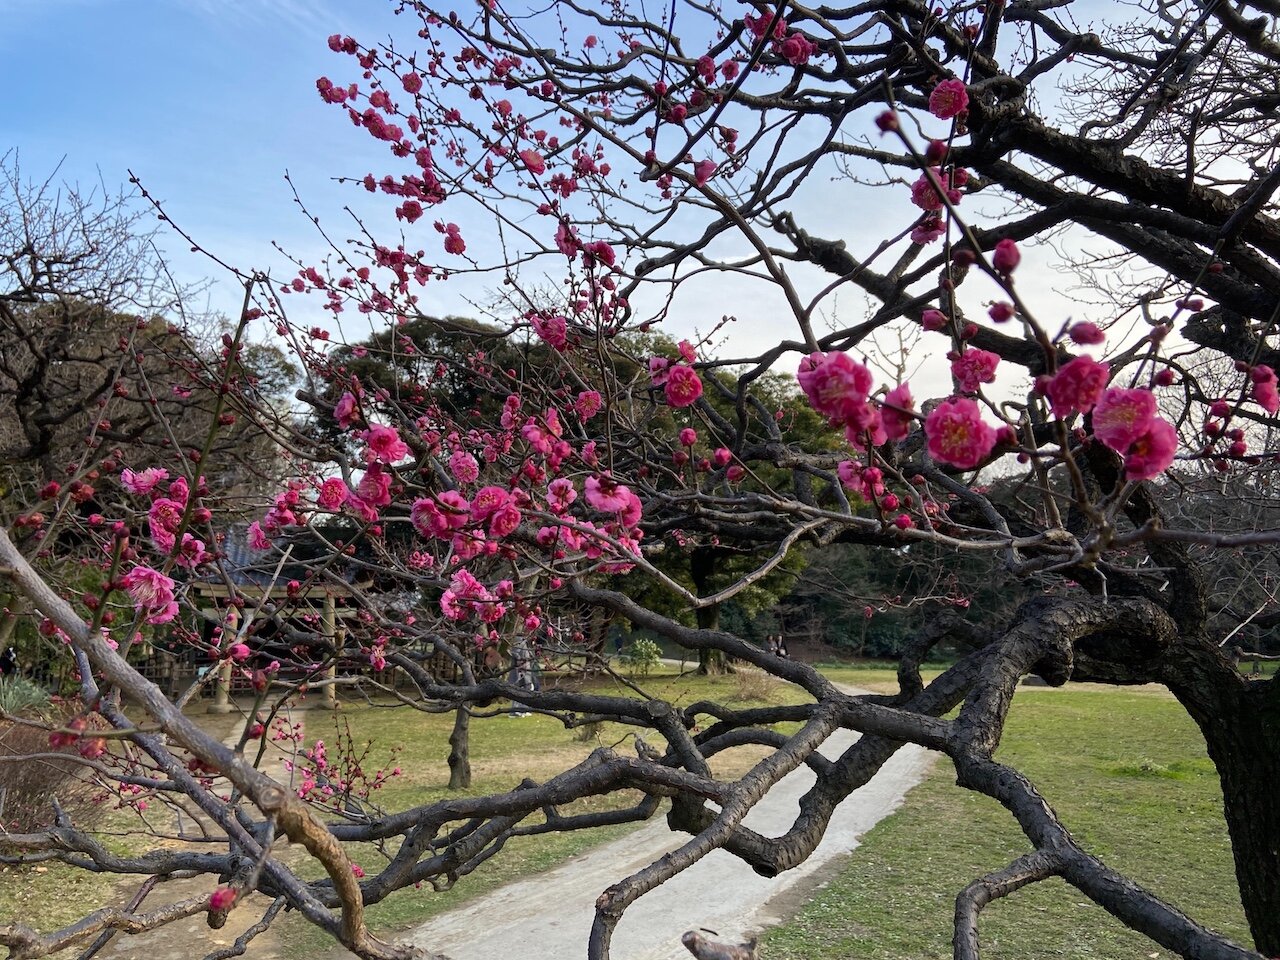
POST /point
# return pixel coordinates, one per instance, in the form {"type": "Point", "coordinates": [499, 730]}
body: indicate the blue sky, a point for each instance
{"type": "Point", "coordinates": [209, 102]}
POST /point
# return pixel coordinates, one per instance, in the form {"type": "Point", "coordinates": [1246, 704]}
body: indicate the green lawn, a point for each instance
{"type": "Point", "coordinates": [1127, 772]}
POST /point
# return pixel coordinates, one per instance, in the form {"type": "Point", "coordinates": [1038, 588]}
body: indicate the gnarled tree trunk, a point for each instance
{"type": "Point", "coordinates": [460, 750]}
{"type": "Point", "coordinates": [1240, 722]}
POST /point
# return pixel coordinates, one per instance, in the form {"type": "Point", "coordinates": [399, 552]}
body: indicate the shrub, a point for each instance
{"type": "Point", "coordinates": [20, 697]}
{"type": "Point", "coordinates": [640, 657]}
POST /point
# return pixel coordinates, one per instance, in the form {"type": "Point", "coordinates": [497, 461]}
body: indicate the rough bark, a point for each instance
{"type": "Point", "coordinates": [460, 750]}
{"type": "Point", "coordinates": [1240, 722]}
{"type": "Point", "coordinates": [701, 567]}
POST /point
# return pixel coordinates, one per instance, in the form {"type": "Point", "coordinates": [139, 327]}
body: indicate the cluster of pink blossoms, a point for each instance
{"type": "Point", "coordinates": [165, 516]}
{"type": "Point", "coordinates": [1126, 421]}
{"type": "Point", "coordinates": [838, 387]}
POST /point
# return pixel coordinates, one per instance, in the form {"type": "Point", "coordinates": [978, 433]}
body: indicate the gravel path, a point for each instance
{"type": "Point", "coordinates": [548, 917]}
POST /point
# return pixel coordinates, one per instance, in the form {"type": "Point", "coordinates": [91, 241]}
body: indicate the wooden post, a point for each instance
{"type": "Point", "coordinates": [222, 683]}
{"type": "Point", "coordinates": [329, 628]}
{"type": "Point", "coordinates": [222, 689]}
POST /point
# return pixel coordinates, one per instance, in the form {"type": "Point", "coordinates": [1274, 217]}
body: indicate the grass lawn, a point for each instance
{"type": "Point", "coordinates": [1127, 772]}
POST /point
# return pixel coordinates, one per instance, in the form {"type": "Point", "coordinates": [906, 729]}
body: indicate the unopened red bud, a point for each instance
{"type": "Point", "coordinates": [1000, 311]}
{"type": "Point", "coordinates": [887, 122]}
{"type": "Point", "coordinates": [1006, 256]}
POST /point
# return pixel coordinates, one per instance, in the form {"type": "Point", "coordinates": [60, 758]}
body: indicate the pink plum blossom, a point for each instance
{"type": "Point", "coordinates": [384, 444]}
{"type": "Point", "coordinates": [606, 494]}
{"type": "Point", "coordinates": [152, 592]}
{"type": "Point", "coordinates": [895, 412]}
{"type": "Point", "coordinates": [683, 387]}
{"type": "Point", "coordinates": [973, 368]}
{"type": "Point", "coordinates": [258, 539]}
{"type": "Point", "coordinates": [345, 410]}
{"type": "Point", "coordinates": [1264, 388]}
{"type": "Point", "coordinates": [957, 434]}
{"type": "Point", "coordinates": [588, 404]}
{"type": "Point", "coordinates": [487, 501]}
{"type": "Point", "coordinates": [948, 99]}
{"type": "Point", "coordinates": [222, 899]}
{"type": "Point", "coordinates": [144, 481]}
{"type": "Point", "coordinates": [504, 520]}
{"type": "Point", "coordinates": [463, 466]}
{"type": "Point", "coordinates": [1087, 334]}
{"type": "Point", "coordinates": [1006, 256]}
{"type": "Point", "coordinates": [333, 493]}
{"type": "Point", "coordinates": [835, 384]}
{"type": "Point", "coordinates": [1151, 453]}
{"type": "Point", "coordinates": [1077, 385]}
{"type": "Point", "coordinates": [533, 161]}
{"type": "Point", "coordinates": [560, 494]}
{"type": "Point", "coordinates": [554, 331]}
{"type": "Point", "coordinates": [1122, 415]}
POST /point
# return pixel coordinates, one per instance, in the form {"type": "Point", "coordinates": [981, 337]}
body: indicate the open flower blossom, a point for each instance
{"type": "Point", "coordinates": [588, 404]}
{"type": "Point", "coordinates": [974, 367]}
{"type": "Point", "coordinates": [345, 410]}
{"type": "Point", "coordinates": [1151, 453]}
{"type": "Point", "coordinates": [949, 99]}
{"type": "Point", "coordinates": [333, 494]}
{"type": "Point", "coordinates": [554, 331]}
{"type": "Point", "coordinates": [683, 387]}
{"type": "Point", "coordinates": [863, 428]}
{"type": "Point", "coordinates": [1264, 388]}
{"type": "Point", "coordinates": [1077, 385]}
{"type": "Point", "coordinates": [835, 384]}
{"type": "Point", "coordinates": [505, 520]}
{"type": "Point", "coordinates": [606, 494]}
{"type": "Point", "coordinates": [463, 466]}
{"type": "Point", "coordinates": [152, 593]}
{"type": "Point", "coordinates": [957, 434]}
{"type": "Point", "coordinates": [384, 444]}
{"type": "Point", "coordinates": [487, 501]}
{"type": "Point", "coordinates": [144, 481]}
{"type": "Point", "coordinates": [926, 196]}
{"type": "Point", "coordinates": [1122, 415]}
{"type": "Point", "coordinates": [258, 538]}
{"type": "Point", "coordinates": [533, 161]}
{"type": "Point", "coordinates": [560, 494]}
{"type": "Point", "coordinates": [1126, 421]}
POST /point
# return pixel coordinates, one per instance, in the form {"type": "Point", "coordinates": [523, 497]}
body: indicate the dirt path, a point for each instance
{"type": "Point", "coordinates": [548, 917]}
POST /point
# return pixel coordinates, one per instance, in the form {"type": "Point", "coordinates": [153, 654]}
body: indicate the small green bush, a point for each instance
{"type": "Point", "coordinates": [20, 697]}
{"type": "Point", "coordinates": [640, 657]}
